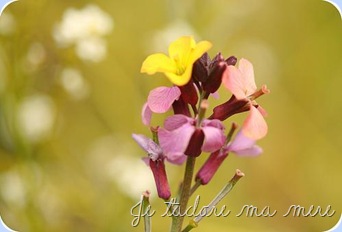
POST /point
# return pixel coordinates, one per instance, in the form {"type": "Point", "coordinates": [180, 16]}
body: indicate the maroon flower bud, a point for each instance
{"type": "Point", "coordinates": [229, 108]}
{"type": "Point", "coordinates": [200, 68]}
{"type": "Point", "coordinates": [180, 107]}
{"type": "Point", "coordinates": [215, 78]}
{"type": "Point", "coordinates": [158, 170]}
{"type": "Point", "coordinates": [209, 168]}
{"type": "Point", "coordinates": [195, 144]}
{"type": "Point", "coordinates": [231, 60]}
{"type": "Point", "coordinates": [189, 93]}
{"type": "Point", "coordinates": [217, 59]}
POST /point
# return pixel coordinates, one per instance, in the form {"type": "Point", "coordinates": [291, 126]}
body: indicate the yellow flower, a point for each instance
{"type": "Point", "coordinates": [178, 66]}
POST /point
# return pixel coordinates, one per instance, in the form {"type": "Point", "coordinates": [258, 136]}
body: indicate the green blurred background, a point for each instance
{"type": "Point", "coordinates": [69, 103]}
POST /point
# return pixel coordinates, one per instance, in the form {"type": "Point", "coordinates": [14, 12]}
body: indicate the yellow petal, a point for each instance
{"type": "Point", "coordinates": [199, 50]}
{"type": "Point", "coordinates": [158, 63]}
{"type": "Point", "coordinates": [180, 49]}
{"type": "Point", "coordinates": [180, 80]}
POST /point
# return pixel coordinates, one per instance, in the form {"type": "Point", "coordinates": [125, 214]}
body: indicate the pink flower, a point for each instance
{"type": "Point", "coordinates": [159, 100]}
{"type": "Point", "coordinates": [240, 81]}
{"type": "Point", "coordinates": [155, 160]}
{"type": "Point", "coordinates": [241, 146]}
{"type": "Point", "coordinates": [181, 135]}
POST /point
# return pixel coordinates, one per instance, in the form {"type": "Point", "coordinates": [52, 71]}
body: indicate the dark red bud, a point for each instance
{"type": "Point", "coordinates": [189, 93]}
{"type": "Point", "coordinates": [215, 78]}
{"type": "Point", "coordinates": [231, 60]}
{"type": "Point", "coordinates": [159, 173]}
{"type": "Point", "coordinates": [200, 70]}
{"type": "Point", "coordinates": [229, 108]}
{"type": "Point", "coordinates": [217, 59]}
{"type": "Point", "coordinates": [211, 165]}
{"type": "Point", "coordinates": [195, 144]}
{"type": "Point", "coordinates": [180, 107]}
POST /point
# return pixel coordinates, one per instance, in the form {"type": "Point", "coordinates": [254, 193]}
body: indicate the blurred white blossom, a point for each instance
{"type": "Point", "coordinates": [74, 83]}
{"type": "Point", "coordinates": [85, 28]}
{"type": "Point", "coordinates": [36, 116]}
{"type": "Point", "coordinates": [12, 188]}
{"type": "Point", "coordinates": [36, 55]}
{"type": "Point", "coordinates": [7, 24]}
{"type": "Point", "coordinates": [112, 157]}
{"type": "Point", "coordinates": [92, 49]}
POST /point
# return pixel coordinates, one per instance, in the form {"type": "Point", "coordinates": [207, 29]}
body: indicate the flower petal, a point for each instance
{"type": "Point", "coordinates": [176, 158]}
{"type": "Point", "coordinates": [200, 49]}
{"type": "Point", "coordinates": [214, 137]}
{"type": "Point", "coordinates": [254, 126]}
{"type": "Point", "coordinates": [240, 142]}
{"type": "Point", "coordinates": [176, 141]}
{"type": "Point", "coordinates": [180, 49]}
{"type": "Point", "coordinates": [247, 71]}
{"type": "Point", "coordinates": [252, 151]}
{"type": "Point", "coordinates": [176, 121]}
{"type": "Point", "coordinates": [158, 63]}
{"type": "Point", "coordinates": [182, 79]}
{"type": "Point", "coordinates": [153, 150]}
{"type": "Point", "coordinates": [146, 115]}
{"type": "Point", "coordinates": [160, 99]}
{"type": "Point", "coordinates": [232, 79]}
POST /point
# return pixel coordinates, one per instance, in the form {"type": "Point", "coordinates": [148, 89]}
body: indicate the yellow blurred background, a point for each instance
{"type": "Point", "coordinates": [71, 95]}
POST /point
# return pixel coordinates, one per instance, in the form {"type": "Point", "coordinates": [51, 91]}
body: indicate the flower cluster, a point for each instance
{"type": "Point", "coordinates": [188, 133]}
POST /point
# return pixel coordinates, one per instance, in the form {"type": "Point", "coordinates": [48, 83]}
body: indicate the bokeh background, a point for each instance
{"type": "Point", "coordinates": [71, 95]}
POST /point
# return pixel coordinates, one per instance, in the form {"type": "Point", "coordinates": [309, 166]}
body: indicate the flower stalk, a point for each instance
{"type": "Point", "coordinates": [145, 206]}
{"type": "Point", "coordinates": [226, 189]}
{"type": "Point", "coordinates": [177, 220]}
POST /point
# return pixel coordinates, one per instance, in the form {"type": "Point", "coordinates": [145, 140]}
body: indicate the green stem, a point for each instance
{"type": "Point", "coordinates": [226, 189]}
{"type": "Point", "coordinates": [146, 206]}
{"type": "Point", "coordinates": [177, 220]}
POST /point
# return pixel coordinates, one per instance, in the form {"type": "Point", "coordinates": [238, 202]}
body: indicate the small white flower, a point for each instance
{"type": "Point", "coordinates": [36, 116]}
{"type": "Point", "coordinates": [36, 54]}
{"type": "Point", "coordinates": [12, 188]}
{"type": "Point", "coordinates": [7, 24]}
{"type": "Point", "coordinates": [73, 82]}
{"type": "Point", "coordinates": [91, 49]}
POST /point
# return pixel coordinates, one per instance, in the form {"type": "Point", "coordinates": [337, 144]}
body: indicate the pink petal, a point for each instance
{"type": "Point", "coordinates": [232, 79]}
{"type": "Point", "coordinates": [146, 115]}
{"type": "Point", "coordinates": [247, 71]}
{"type": "Point", "coordinates": [252, 151]}
{"type": "Point", "coordinates": [240, 142]}
{"type": "Point", "coordinates": [262, 111]}
{"type": "Point", "coordinates": [176, 158]}
{"type": "Point", "coordinates": [213, 123]}
{"type": "Point", "coordinates": [176, 141]}
{"type": "Point", "coordinates": [176, 121]}
{"type": "Point", "coordinates": [153, 150]}
{"type": "Point", "coordinates": [254, 126]}
{"type": "Point", "coordinates": [215, 95]}
{"type": "Point", "coordinates": [160, 99]}
{"type": "Point", "coordinates": [214, 137]}
{"type": "Point", "coordinates": [146, 160]}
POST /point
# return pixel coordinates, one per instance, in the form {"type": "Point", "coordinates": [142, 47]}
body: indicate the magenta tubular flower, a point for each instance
{"type": "Point", "coordinates": [180, 130]}
{"type": "Point", "coordinates": [155, 160]}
